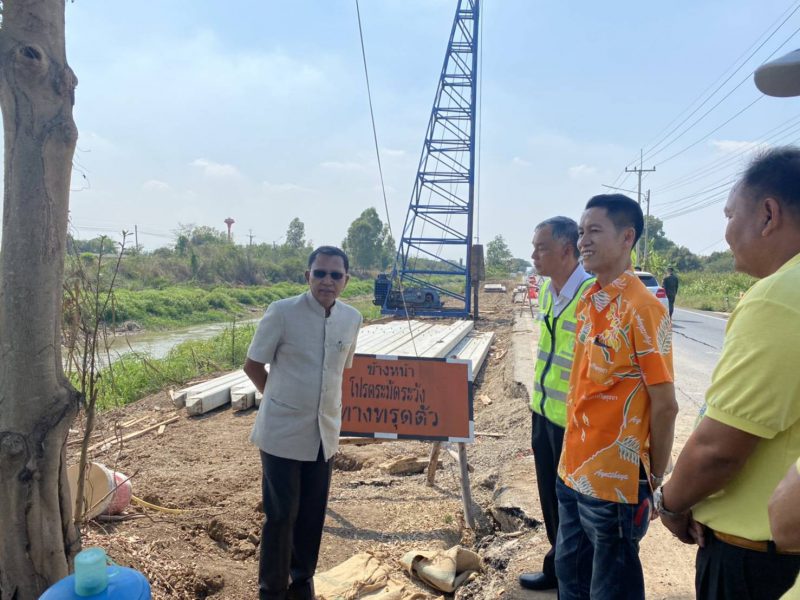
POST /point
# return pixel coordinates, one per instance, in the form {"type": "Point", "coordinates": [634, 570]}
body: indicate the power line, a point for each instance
{"type": "Point", "coordinates": [770, 32]}
{"type": "Point", "coordinates": [650, 154]}
{"type": "Point", "coordinates": [725, 184]}
{"type": "Point", "coordinates": [718, 164]}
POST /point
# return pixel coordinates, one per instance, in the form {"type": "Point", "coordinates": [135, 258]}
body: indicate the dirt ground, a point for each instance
{"type": "Point", "coordinates": [206, 467]}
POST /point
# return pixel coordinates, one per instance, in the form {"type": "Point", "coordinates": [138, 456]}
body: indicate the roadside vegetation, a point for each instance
{"type": "Point", "coordinates": [180, 306]}
{"type": "Point", "coordinates": [712, 291]}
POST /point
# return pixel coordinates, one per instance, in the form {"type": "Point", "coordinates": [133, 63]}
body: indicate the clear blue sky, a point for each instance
{"type": "Point", "coordinates": [194, 111]}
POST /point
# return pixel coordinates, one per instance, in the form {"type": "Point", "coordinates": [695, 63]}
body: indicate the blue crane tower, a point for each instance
{"type": "Point", "coordinates": [431, 273]}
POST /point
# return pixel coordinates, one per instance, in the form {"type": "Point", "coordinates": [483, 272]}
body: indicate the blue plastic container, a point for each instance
{"type": "Point", "coordinates": [95, 580]}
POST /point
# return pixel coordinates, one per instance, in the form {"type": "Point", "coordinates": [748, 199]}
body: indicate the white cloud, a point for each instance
{"type": "Point", "coordinates": [579, 171]}
{"type": "Point", "coordinates": [215, 170]}
{"type": "Point", "coordinates": [521, 162]}
{"type": "Point", "coordinates": [155, 185]}
{"type": "Point", "coordinates": [734, 146]}
{"type": "Point", "coordinates": [336, 165]}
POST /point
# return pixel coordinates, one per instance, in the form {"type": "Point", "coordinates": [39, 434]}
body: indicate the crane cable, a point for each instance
{"type": "Point", "coordinates": [380, 168]}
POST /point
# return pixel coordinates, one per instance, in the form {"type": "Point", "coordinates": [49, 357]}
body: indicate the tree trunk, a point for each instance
{"type": "Point", "coordinates": [37, 404]}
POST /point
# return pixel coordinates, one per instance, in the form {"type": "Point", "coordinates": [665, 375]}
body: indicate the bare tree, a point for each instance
{"type": "Point", "coordinates": [37, 404]}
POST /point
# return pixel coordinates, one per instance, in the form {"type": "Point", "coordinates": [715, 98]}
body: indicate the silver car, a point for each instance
{"type": "Point", "coordinates": [651, 283]}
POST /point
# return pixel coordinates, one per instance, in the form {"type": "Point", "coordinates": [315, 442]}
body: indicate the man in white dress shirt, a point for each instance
{"type": "Point", "coordinates": [307, 340]}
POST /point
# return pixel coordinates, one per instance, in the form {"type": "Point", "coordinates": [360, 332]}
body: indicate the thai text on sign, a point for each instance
{"type": "Point", "coordinates": [408, 398]}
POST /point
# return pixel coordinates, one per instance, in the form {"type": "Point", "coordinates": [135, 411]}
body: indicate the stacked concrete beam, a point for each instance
{"type": "Point", "coordinates": [179, 396]}
{"type": "Point", "coordinates": [434, 342]}
{"type": "Point", "coordinates": [387, 334]}
{"type": "Point", "coordinates": [245, 395]}
{"type": "Point", "coordinates": [207, 399]}
{"type": "Point", "coordinates": [475, 348]}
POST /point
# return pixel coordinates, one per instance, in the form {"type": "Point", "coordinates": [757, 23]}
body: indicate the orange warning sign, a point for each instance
{"type": "Point", "coordinates": [407, 398]}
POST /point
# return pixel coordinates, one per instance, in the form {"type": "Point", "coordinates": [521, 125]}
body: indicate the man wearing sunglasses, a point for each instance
{"type": "Point", "coordinates": [308, 341]}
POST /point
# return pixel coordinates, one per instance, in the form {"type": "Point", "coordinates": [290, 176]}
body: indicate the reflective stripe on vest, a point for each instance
{"type": "Point", "coordinates": [555, 355]}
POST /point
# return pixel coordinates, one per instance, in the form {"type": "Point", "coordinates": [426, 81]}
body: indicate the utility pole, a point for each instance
{"type": "Point", "coordinates": [646, 219]}
{"type": "Point", "coordinates": [639, 172]}
{"type": "Point", "coordinates": [251, 236]}
{"type": "Point", "coordinates": [136, 236]}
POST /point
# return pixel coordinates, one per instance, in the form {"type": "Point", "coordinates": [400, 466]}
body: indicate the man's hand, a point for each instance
{"type": "Point", "coordinates": [255, 371]}
{"type": "Point", "coordinates": [685, 528]}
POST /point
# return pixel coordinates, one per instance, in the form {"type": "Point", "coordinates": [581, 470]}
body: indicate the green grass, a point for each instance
{"type": "Point", "coordinates": [136, 375]}
{"type": "Point", "coordinates": [712, 291]}
{"type": "Point", "coordinates": [180, 306]}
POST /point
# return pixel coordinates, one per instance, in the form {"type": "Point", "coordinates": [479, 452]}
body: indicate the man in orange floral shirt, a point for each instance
{"type": "Point", "coordinates": [621, 413]}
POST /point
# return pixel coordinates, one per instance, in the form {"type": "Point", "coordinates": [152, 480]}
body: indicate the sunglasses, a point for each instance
{"type": "Point", "coordinates": [321, 274]}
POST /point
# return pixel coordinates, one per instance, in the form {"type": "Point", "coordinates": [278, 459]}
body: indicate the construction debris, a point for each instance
{"type": "Point", "coordinates": [365, 576]}
{"type": "Point", "coordinates": [494, 287]}
{"type": "Point", "coordinates": [106, 444]}
{"type": "Point", "coordinates": [443, 570]}
{"type": "Point", "coordinates": [405, 465]}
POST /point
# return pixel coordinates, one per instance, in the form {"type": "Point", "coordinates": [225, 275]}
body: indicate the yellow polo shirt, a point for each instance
{"type": "Point", "coordinates": [755, 388]}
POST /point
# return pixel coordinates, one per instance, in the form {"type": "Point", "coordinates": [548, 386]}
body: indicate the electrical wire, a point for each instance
{"type": "Point", "coordinates": [651, 152]}
{"type": "Point", "coordinates": [774, 135]}
{"type": "Point", "coordinates": [770, 32]}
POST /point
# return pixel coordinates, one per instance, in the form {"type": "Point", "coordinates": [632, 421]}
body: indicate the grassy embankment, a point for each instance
{"type": "Point", "coordinates": [136, 375]}
{"type": "Point", "coordinates": [712, 291]}
{"type": "Point", "coordinates": [180, 306]}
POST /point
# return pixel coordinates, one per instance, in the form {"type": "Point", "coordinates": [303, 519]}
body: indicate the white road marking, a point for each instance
{"type": "Point", "coordinates": [702, 314]}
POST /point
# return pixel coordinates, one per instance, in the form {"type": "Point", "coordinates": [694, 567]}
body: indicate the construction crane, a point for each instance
{"type": "Point", "coordinates": [431, 275]}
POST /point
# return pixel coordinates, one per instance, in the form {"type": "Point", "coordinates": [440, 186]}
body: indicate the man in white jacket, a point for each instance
{"type": "Point", "coordinates": [307, 340]}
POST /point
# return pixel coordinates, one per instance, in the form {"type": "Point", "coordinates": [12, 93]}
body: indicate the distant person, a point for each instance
{"type": "Point", "coordinates": [555, 255]}
{"type": "Point", "coordinates": [670, 285]}
{"type": "Point", "coordinates": [308, 340]}
{"type": "Point", "coordinates": [621, 413]}
{"type": "Point", "coordinates": [749, 435]}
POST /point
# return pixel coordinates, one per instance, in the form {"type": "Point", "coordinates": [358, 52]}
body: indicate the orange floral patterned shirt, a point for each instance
{"type": "Point", "coordinates": [624, 342]}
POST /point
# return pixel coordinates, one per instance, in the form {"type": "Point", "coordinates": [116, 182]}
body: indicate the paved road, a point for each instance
{"type": "Point", "coordinates": [697, 342]}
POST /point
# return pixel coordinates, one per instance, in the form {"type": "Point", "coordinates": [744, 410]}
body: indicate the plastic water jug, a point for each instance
{"type": "Point", "coordinates": [95, 580]}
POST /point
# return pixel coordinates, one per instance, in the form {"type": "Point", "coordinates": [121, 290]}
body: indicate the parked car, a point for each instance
{"type": "Point", "coordinates": [651, 283]}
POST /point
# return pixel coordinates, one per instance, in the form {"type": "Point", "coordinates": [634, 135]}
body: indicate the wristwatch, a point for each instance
{"type": "Point", "coordinates": [658, 504]}
{"type": "Point", "coordinates": [656, 480]}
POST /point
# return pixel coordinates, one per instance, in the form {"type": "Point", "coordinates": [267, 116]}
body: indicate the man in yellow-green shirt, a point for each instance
{"type": "Point", "coordinates": [718, 494]}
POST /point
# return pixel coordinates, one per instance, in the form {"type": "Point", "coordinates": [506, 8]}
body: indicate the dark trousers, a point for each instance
{"type": "Point", "coordinates": [725, 571]}
{"type": "Point", "coordinates": [546, 441]}
{"type": "Point", "coordinates": [597, 552]}
{"type": "Point", "coordinates": [671, 301]}
{"type": "Point", "coordinates": [295, 497]}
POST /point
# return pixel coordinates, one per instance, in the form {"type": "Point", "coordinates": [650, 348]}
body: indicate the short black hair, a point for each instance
{"type": "Point", "coordinates": [623, 211]}
{"type": "Point", "coordinates": [563, 228]}
{"type": "Point", "coordinates": [776, 173]}
{"type": "Point", "coordinates": [329, 251]}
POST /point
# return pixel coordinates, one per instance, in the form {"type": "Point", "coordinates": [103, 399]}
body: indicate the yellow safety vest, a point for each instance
{"type": "Point", "coordinates": [555, 354]}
